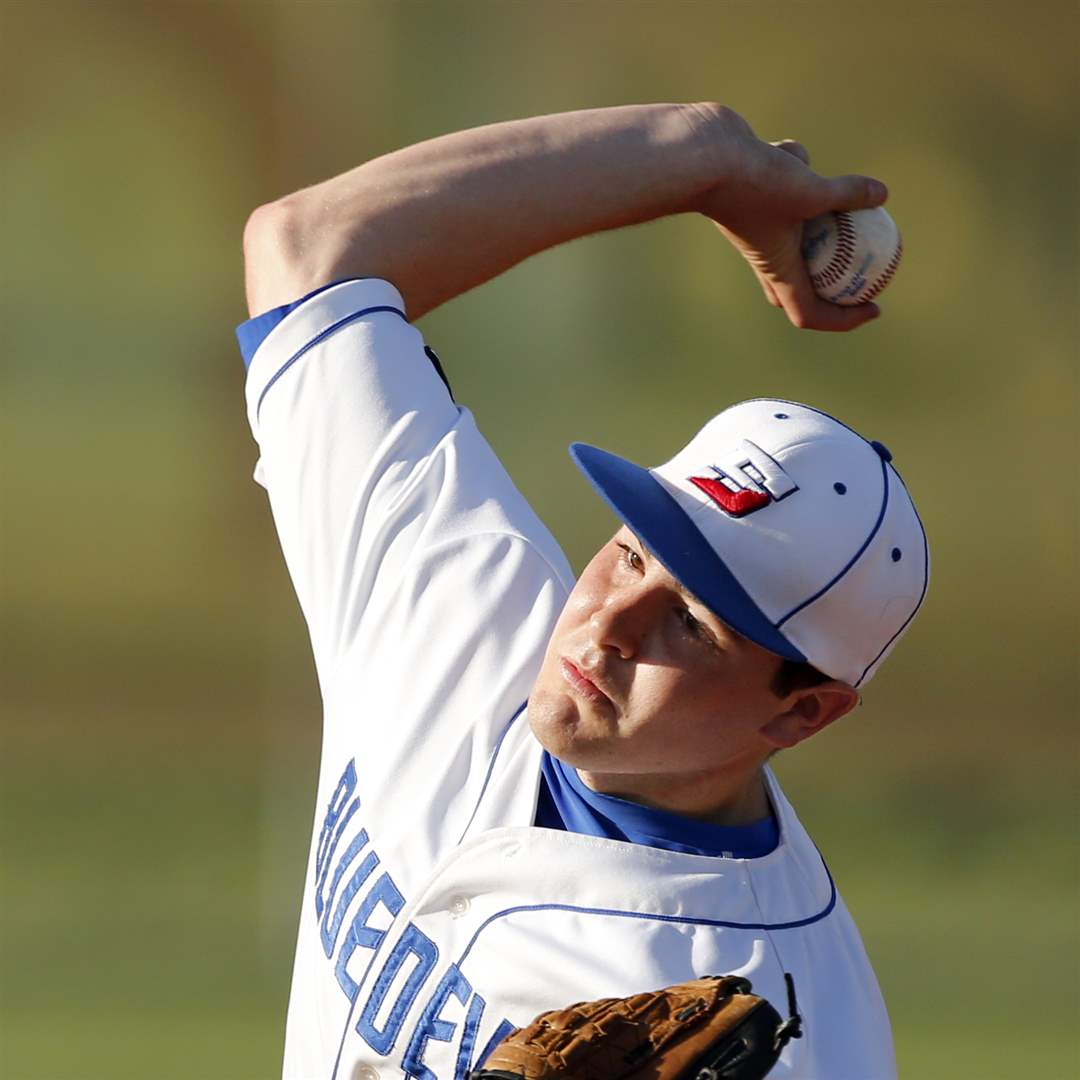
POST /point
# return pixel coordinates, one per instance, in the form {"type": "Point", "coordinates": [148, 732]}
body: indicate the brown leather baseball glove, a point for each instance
{"type": "Point", "coordinates": [704, 1029]}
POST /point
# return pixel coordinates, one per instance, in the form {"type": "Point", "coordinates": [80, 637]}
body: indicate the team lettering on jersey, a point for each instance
{"type": "Point", "coordinates": [413, 949]}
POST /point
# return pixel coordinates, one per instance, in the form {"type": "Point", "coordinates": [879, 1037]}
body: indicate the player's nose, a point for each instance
{"type": "Point", "coordinates": [621, 621]}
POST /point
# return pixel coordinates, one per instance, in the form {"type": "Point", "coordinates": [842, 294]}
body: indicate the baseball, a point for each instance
{"type": "Point", "coordinates": [851, 254]}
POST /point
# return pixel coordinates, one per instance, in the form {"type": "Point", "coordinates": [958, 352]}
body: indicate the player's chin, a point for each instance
{"type": "Point", "coordinates": [552, 715]}
{"type": "Point", "coordinates": [563, 725]}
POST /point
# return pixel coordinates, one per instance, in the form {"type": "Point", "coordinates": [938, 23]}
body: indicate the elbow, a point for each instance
{"type": "Point", "coordinates": [273, 255]}
{"type": "Point", "coordinates": [295, 245]}
{"type": "Point", "coordinates": [268, 227]}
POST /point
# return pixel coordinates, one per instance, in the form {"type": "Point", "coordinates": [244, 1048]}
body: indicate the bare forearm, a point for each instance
{"type": "Point", "coordinates": [443, 216]}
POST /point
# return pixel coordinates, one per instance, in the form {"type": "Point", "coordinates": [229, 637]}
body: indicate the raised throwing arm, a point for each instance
{"type": "Point", "coordinates": [445, 215]}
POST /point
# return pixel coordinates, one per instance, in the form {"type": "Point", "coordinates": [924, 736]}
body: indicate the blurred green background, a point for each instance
{"type": "Point", "coordinates": [160, 714]}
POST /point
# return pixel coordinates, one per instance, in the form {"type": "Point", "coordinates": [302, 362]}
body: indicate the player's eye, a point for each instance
{"type": "Point", "coordinates": [694, 627]}
{"type": "Point", "coordinates": [631, 558]}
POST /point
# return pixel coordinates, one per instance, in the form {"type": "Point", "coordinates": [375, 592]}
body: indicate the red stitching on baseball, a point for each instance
{"type": "Point", "coordinates": [886, 275]}
{"type": "Point", "coordinates": [842, 256]}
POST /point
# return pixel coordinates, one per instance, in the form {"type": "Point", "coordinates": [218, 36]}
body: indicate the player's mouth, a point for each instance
{"type": "Point", "coordinates": [581, 684]}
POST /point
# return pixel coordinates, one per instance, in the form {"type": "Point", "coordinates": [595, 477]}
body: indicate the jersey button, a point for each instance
{"type": "Point", "coordinates": [458, 906]}
{"type": "Point", "coordinates": [365, 1072]}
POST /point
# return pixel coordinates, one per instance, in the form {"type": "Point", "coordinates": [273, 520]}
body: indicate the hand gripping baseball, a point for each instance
{"type": "Point", "coordinates": [766, 193]}
{"type": "Point", "coordinates": [704, 1029]}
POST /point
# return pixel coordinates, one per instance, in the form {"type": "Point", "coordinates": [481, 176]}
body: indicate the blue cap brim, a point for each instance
{"type": "Point", "coordinates": [664, 528]}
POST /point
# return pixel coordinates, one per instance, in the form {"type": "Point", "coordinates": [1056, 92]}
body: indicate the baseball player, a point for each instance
{"type": "Point", "coordinates": [535, 791]}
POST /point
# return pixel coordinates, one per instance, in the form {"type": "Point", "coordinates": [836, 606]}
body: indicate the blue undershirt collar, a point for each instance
{"type": "Point", "coordinates": [566, 803]}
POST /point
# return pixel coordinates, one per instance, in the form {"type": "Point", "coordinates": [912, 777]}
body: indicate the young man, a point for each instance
{"type": "Point", "coordinates": [532, 791]}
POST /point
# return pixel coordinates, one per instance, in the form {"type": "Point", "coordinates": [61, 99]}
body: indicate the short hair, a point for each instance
{"type": "Point", "coordinates": [794, 675]}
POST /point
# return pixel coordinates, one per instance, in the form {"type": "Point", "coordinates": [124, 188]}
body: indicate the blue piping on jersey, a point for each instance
{"type": "Point", "coordinates": [854, 558]}
{"type": "Point", "coordinates": [320, 337]}
{"type": "Point", "coordinates": [252, 333]}
{"type": "Point", "coordinates": [491, 767]}
{"type": "Point", "coordinates": [650, 916]}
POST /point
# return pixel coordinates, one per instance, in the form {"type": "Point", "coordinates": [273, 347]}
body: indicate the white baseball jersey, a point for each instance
{"type": "Point", "coordinates": [435, 915]}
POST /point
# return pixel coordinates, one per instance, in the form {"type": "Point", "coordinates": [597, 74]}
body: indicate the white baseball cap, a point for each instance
{"type": "Point", "coordinates": [792, 528]}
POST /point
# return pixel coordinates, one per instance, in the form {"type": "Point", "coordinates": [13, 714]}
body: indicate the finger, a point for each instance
{"type": "Point", "coordinates": [796, 149]}
{"type": "Point", "coordinates": [833, 318]}
{"type": "Point", "coordinates": [842, 319]}
{"type": "Point", "coordinates": [807, 311]}
{"type": "Point", "coordinates": [853, 193]}
{"type": "Point", "coordinates": [796, 295]}
{"type": "Point", "coordinates": [769, 291]}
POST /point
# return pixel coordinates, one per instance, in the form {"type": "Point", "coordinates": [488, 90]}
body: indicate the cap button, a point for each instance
{"type": "Point", "coordinates": [882, 450]}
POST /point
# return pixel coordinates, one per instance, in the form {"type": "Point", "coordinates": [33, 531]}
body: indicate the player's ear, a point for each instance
{"type": "Point", "coordinates": [806, 711]}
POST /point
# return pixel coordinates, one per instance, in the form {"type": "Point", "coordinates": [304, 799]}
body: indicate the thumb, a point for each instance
{"type": "Point", "coordinates": [854, 193]}
{"type": "Point", "coordinates": [795, 149]}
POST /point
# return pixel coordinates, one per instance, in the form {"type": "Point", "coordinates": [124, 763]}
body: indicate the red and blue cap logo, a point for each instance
{"type": "Point", "coordinates": [745, 480]}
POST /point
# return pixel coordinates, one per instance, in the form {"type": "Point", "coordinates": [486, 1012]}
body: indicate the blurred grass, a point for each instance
{"type": "Point", "coordinates": [136, 922]}
{"type": "Point", "coordinates": [160, 717]}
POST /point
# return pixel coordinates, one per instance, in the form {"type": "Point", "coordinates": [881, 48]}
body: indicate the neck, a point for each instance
{"type": "Point", "coordinates": [718, 800]}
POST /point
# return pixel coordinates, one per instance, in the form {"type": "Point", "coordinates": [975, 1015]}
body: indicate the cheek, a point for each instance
{"type": "Point", "coordinates": [564, 637]}
{"type": "Point", "coordinates": [577, 610]}
{"type": "Point", "coordinates": [691, 700]}
{"type": "Point", "coordinates": [659, 691]}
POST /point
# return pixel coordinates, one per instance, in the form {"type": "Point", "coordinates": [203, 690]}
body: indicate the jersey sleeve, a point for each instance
{"type": "Point", "coordinates": [391, 509]}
